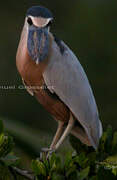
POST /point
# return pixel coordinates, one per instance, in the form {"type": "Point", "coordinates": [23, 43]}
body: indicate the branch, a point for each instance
{"type": "Point", "coordinates": [23, 173]}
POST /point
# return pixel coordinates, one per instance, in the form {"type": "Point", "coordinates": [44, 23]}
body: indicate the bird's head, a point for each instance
{"type": "Point", "coordinates": [38, 22]}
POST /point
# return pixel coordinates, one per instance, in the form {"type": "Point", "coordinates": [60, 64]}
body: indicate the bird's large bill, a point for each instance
{"type": "Point", "coordinates": [38, 44]}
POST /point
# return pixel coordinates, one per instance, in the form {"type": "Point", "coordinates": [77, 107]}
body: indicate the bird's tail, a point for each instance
{"type": "Point", "coordinates": [79, 133]}
{"type": "Point", "coordinates": [100, 129]}
{"type": "Point", "coordinates": [95, 133]}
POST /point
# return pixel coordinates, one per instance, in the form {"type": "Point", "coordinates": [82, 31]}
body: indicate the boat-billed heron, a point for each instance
{"type": "Point", "coordinates": [57, 80]}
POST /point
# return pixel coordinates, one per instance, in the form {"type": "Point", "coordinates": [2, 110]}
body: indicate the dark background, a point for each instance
{"type": "Point", "coordinates": [89, 27]}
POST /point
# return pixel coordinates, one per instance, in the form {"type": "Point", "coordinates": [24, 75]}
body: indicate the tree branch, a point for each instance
{"type": "Point", "coordinates": [23, 173]}
{"type": "Point", "coordinates": [12, 172]}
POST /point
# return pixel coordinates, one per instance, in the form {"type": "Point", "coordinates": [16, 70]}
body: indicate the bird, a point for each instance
{"type": "Point", "coordinates": [57, 80]}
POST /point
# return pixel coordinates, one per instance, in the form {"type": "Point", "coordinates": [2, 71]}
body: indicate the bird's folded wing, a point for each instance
{"type": "Point", "coordinates": [65, 76]}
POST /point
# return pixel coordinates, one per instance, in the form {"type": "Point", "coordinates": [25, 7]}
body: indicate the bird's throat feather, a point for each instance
{"type": "Point", "coordinates": [38, 44]}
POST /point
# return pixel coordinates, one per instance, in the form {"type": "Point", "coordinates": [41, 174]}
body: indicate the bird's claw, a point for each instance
{"type": "Point", "coordinates": [50, 153]}
{"type": "Point", "coordinates": [47, 152]}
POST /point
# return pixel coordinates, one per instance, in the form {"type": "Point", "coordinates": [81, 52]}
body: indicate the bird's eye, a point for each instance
{"type": "Point", "coordinates": [29, 20]}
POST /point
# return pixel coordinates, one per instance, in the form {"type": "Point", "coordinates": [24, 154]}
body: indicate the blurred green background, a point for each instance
{"type": "Point", "coordinates": [89, 27]}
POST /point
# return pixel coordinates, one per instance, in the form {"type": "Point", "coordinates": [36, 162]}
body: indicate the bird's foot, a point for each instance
{"type": "Point", "coordinates": [50, 153]}
{"type": "Point", "coordinates": [47, 152]}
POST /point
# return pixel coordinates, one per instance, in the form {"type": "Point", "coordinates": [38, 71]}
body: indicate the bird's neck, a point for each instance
{"type": "Point", "coordinates": [26, 66]}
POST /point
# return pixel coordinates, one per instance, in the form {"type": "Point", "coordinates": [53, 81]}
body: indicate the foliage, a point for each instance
{"type": "Point", "coordinates": [7, 158]}
{"type": "Point", "coordinates": [83, 164]}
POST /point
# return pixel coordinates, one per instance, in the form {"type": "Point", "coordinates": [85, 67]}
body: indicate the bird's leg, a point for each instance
{"type": "Point", "coordinates": [58, 134]}
{"type": "Point", "coordinates": [56, 137]}
{"type": "Point", "coordinates": [55, 145]}
{"type": "Point", "coordinates": [66, 132]}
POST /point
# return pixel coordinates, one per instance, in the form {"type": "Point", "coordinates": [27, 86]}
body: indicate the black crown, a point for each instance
{"type": "Point", "coordinates": [39, 11]}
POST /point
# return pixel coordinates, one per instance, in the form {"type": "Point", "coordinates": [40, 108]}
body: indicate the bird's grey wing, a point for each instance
{"type": "Point", "coordinates": [65, 76]}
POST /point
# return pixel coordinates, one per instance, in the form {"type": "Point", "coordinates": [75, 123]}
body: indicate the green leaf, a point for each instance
{"type": "Point", "coordinates": [68, 158]}
{"type": "Point", "coordinates": [110, 164]}
{"type": "Point", "coordinates": [108, 144]}
{"type": "Point", "coordinates": [79, 146]}
{"type": "Point", "coordinates": [1, 127]}
{"type": "Point", "coordinates": [38, 167]}
{"type": "Point", "coordinates": [114, 143]}
{"type": "Point", "coordinates": [4, 173]}
{"type": "Point", "coordinates": [105, 174]}
{"type": "Point", "coordinates": [47, 166]}
{"type": "Point", "coordinates": [56, 176]}
{"type": "Point", "coordinates": [91, 158]}
{"type": "Point", "coordinates": [82, 160]}
{"type": "Point", "coordinates": [84, 173]}
{"type": "Point", "coordinates": [114, 171]}
{"type": "Point", "coordinates": [6, 145]}
{"type": "Point", "coordinates": [103, 139]}
{"type": "Point", "coordinates": [111, 159]}
{"type": "Point", "coordinates": [55, 164]}
{"type": "Point", "coordinates": [52, 159]}
{"type": "Point", "coordinates": [71, 170]}
{"type": "Point", "coordinates": [94, 178]}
